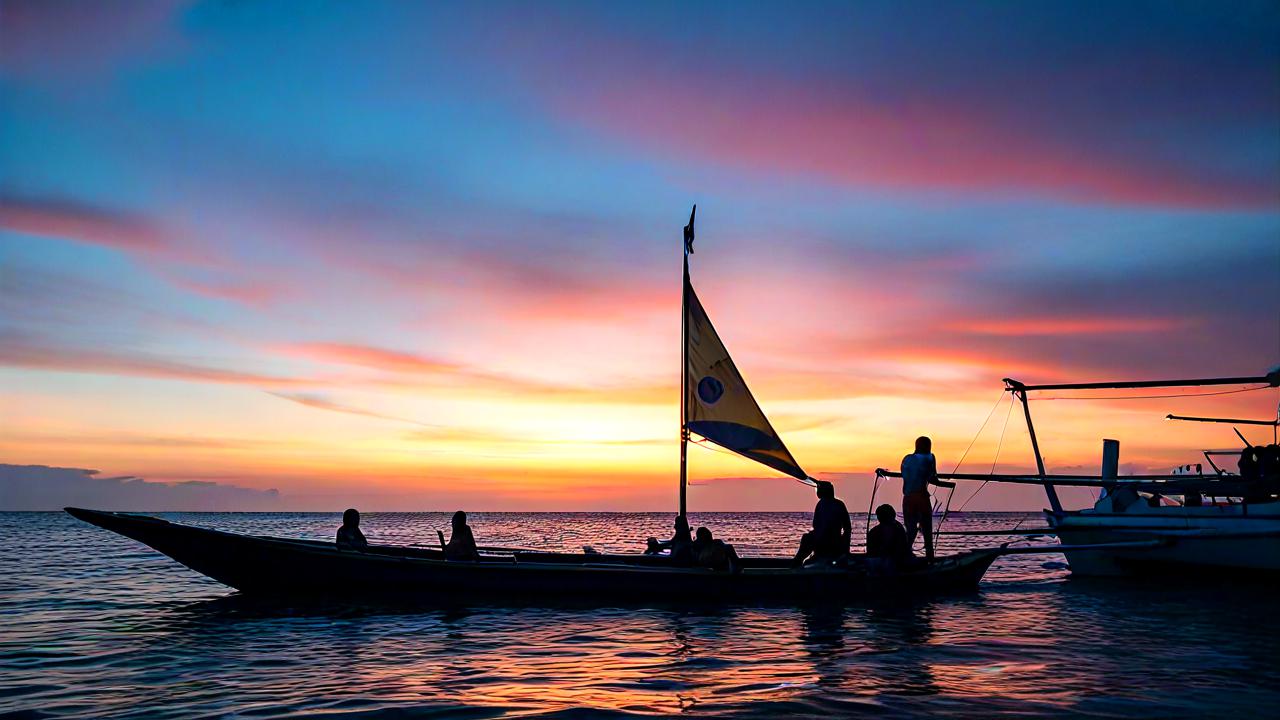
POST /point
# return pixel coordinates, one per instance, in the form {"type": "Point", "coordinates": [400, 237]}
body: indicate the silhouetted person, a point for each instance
{"type": "Point", "coordinates": [680, 544]}
{"type": "Point", "coordinates": [462, 544]}
{"type": "Point", "coordinates": [887, 546]}
{"type": "Point", "coordinates": [349, 535]}
{"type": "Point", "coordinates": [919, 470]}
{"type": "Point", "coordinates": [1269, 461]}
{"type": "Point", "coordinates": [1249, 463]}
{"type": "Point", "coordinates": [715, 554]}
{"type": "Point", "coordinates": [830, 536]}
{"type": "Point", "coordinates": [1260, 466]}
{"type": "Point", "coordinates": [1269, 469]}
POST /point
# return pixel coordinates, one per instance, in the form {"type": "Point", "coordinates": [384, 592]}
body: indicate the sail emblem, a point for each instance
{"type": "Point", "coordinates": [710, 390]}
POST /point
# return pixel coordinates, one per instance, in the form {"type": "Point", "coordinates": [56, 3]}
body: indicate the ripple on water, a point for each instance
{"type": "Point", "coordinates": [92, 625]}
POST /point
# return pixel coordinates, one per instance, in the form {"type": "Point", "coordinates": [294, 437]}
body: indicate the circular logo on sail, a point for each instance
{"type": "Point", "coordinates": [710, 390]}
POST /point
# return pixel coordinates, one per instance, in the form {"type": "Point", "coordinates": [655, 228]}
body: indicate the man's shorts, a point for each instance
{"type": "Point", "coordinates": [917, 503]}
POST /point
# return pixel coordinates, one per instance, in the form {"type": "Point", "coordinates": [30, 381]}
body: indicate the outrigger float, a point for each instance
{"type": "Point", "coordinates": [716, 405]}
{"type": "Point", "coordinates": [1183, 525]}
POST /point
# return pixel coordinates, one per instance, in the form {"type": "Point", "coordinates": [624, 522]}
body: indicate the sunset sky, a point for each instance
{"type": "Point", "coordinates": [424, 256]}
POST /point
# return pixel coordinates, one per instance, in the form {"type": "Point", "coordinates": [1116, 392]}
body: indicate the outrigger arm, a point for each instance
{"type": "Point", "coordinates": [1228, 421]}
{"type": "Point", "coordinates": [1272, 379]}
{"type": "Point", "coordinates": [1146, 483]}
{"type": "Point", "coordinates": [1020, 390]}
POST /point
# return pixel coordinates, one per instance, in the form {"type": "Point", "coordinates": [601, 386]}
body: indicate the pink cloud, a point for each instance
{"type": "Point", "coordinates": [1069, 326]}
{"type": "Point", "coordinates": [837, 128]}
{"type": "Point", "coordinates": [404, 371]}
{"type": "Point", "coordinates": [18, 351]}
{"type": "Point", "coordinates": [81, 223]}
{"type": "Point", "coordinates": [320, 402]}
{"type": "Point", "coordinates": [190, 266]}
{"type": "Point", "coordinates": [927, 144]}
{"type": "Point", "coordinates": [80, 40]}
{"type": "Point", "coordinates": [246, 292]}
{"type": "Point", "coordinates": [376, 358]}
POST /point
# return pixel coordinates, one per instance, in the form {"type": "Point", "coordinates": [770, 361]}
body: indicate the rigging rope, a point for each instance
{"type": "Point", "coordinates": [999, 444]}
{"type": "Point", "coordinates": [979, 433]}
{"type": "Point", "coordinates": [708, 445]}
{"type": "Point", "coordinates": [937, 531]}
{"type": "Point", "coordinates": [871, 504]}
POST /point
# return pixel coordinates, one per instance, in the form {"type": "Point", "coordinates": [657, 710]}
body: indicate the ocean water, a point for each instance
{"type": "Point", "coordinates": [93, 625]}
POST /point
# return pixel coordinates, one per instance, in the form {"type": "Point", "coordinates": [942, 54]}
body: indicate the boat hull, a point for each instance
{"type": "Point", "coordinates": [274, 566]}
{"type": "Point", "coordinates": [1191, 542]}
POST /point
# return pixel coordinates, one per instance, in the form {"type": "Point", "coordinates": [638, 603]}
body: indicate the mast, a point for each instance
{"type": "Point", "coordinates": [1020, 392]}
{"type": "Point", "coordinates": [684, 364]}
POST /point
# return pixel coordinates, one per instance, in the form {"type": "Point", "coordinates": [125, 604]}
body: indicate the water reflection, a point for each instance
{"type": "Point", "coordinates": [1007, 651]}
{"type": "Point", "coordinates": [897, 636]}
{"type": "Point", "coordinates": [99, 627]}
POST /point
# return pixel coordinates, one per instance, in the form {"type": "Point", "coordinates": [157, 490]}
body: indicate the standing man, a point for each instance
{"type": "Point", "coordinates": [919, 470]}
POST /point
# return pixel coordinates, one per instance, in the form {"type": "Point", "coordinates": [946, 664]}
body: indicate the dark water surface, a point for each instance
{"type": "Point", "coordinates": [93, 625]}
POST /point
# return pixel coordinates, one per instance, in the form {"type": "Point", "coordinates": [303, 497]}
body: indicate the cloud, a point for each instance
{"type": "Point", "coordinates": [411, 369]}
{"type": "Point", "coordinates": [937, 99]}
{"type": "Point", "coordinates": [406, 370]}
{"type": "Point", "coordinates": [489, 438]}
{"type": "Point", "coordinates": [1024, 327]}
{"type": "Point", "coordinates": [141, 441]}
{"type": "Point", "coordinates": [39, 487]}
{"type": "Point", "coordinates": [75, 41]}
{"type": "Point", "coordinates": [321, 402]}
{"type": "Point", "coordinates": [202, 269]}
{"type": "Point", "coordinates": [253, 293]}
{"type": "Point", "coordinates": [26, 352]}
{"type": "Point", "coordinates": [80, 222]}
{"type": "Point", "coordinates": [374, 357]}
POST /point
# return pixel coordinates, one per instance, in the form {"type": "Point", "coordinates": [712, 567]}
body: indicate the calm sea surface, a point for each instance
{"type": "Point", "coordinates": [93, 625]}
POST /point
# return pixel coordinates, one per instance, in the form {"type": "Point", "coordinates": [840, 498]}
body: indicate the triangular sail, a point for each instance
{"type": "Point", "coordinates": [717, 403]}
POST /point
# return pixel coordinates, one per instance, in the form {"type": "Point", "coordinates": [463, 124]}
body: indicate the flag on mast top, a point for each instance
{"type": "Point", "coordinates": [688, 232]}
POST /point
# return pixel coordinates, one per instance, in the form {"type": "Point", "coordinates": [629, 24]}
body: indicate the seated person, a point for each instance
{"type": "Point", "coordinates": [680, 544]}
{"type": "Point", "coordinates": [1249, 463]}
{"type": "Point", "coordinates": [829, 539]}
{"type": "Point", "coordinates": [1269, 462]}
{"type": "Point", "coordinates": [887, 546]}
{"type": "Point", "coordinates": [1269, 470]}
{"type": "Point", "coordinates": [462, 544]}
{"type": "Point", "coordinates": [715, 554]}
{"type": "Point", "coordinates": [349, 535]}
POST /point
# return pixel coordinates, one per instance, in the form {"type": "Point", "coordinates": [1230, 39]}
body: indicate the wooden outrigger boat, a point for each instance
{"type": "Point", "coordinates": [716, 405]}
{"type": "Point", "coordinates": [1184, 525]}
{"type": "Point", "coordinates": [311, 568]}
